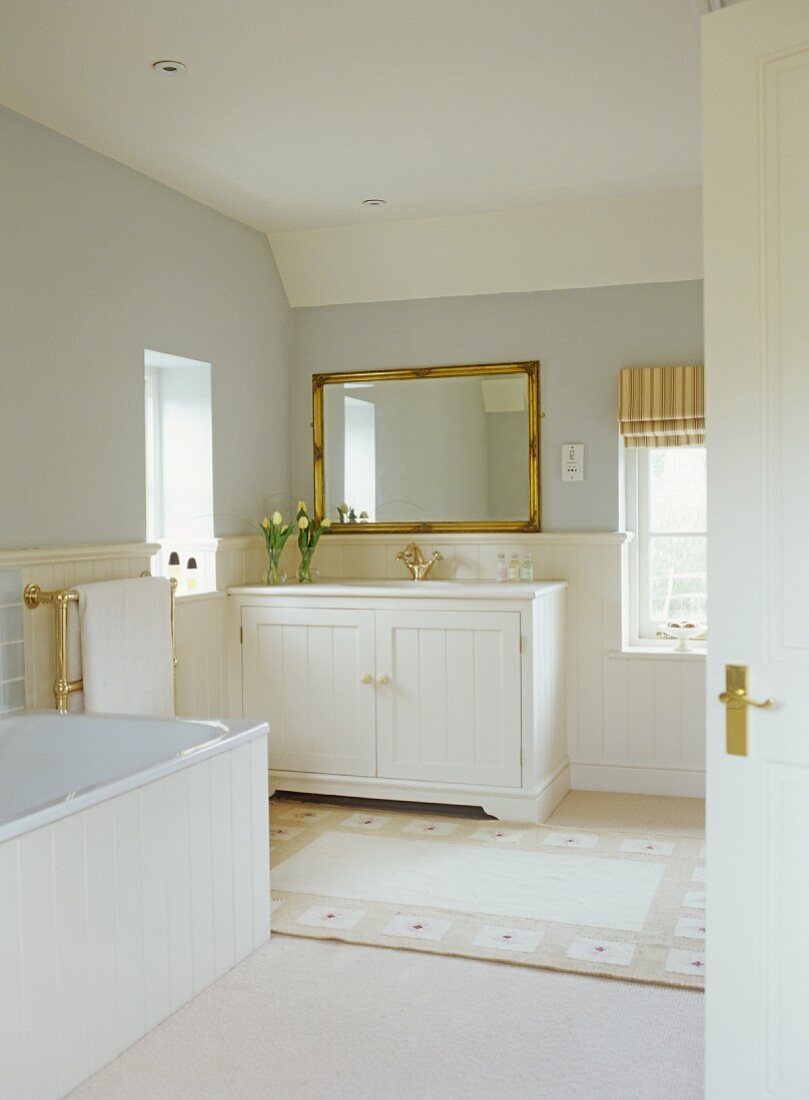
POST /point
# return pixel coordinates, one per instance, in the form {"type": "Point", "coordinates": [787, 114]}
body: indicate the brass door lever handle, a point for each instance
{"type": "Point", "coordinates": [741, 698]}
{"type": "Point", "coordinates": [737, 701]}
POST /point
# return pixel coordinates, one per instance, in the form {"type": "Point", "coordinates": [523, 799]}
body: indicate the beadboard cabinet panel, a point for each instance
{"type": "Point", "coordinates": [305, 673]}
{"type": "Point", "coordinates": [450, 707]}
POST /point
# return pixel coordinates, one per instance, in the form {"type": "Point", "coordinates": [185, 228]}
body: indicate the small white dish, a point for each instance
{"type": "Point", "coordinates": [685, 632]}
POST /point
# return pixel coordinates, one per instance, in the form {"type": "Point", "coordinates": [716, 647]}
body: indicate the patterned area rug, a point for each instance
{"type": "Point", "coordinates": [626, 904]}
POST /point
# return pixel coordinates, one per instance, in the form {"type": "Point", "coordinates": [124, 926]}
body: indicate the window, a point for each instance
{"type": "Point", "coordinates": [666, 508]}
{"type": "Point", "coordinates": [179, 464]}
{"type": "Point", "coordinates": [360, 454]}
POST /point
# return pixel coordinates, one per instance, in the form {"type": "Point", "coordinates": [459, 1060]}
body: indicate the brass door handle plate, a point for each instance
{"type": "Point", "coordinates": [737, 701]}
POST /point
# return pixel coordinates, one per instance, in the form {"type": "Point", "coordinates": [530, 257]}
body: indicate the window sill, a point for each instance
{"type": "Point", "coordinates": [659, 653]}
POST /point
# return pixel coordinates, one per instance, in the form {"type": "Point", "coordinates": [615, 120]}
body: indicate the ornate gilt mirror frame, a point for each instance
{"type": "Point", "coordinates": [529, 369]}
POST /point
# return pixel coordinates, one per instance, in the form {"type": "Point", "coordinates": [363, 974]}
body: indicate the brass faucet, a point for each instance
{"type": "Point", "coordinates": [417, 566]}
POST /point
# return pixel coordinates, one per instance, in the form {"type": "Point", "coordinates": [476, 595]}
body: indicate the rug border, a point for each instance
{"type": "Point", "coordinates": [334, 937]}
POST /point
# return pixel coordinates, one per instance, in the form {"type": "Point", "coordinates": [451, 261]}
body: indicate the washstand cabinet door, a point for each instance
{"type": "Point", "coordinates": [449, 696]}
{"type": "Point", "coordinates": [309, 673]}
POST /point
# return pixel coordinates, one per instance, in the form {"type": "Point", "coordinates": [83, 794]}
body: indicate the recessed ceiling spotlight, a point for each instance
{"type": "Point", "coordinates": [373, 202]}
{"type": "Point", "coordinates": [169, 67]}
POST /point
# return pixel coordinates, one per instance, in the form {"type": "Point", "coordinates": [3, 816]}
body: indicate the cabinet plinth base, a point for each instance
{"type": "Point", "coordinates": [520, 805]}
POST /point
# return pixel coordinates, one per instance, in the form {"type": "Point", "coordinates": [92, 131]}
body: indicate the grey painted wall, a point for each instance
{"type": "Point", "coordinates": [581, 337]}
{"type": "Point", "coordinates": [12, 656]}
{"type": "Point", "coordinates": [97, 262]}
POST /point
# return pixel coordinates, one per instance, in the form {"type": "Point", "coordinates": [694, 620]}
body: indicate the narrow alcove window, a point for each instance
{"type": "Point", "coordinates": [179, 466]}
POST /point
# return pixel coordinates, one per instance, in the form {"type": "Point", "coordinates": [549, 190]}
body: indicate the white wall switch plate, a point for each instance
{"type": "Point", "coordinates": [572, 462]}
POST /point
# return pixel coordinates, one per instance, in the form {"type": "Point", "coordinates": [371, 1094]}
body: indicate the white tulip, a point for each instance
{"type": "Point", "coordinates": [303, 523]}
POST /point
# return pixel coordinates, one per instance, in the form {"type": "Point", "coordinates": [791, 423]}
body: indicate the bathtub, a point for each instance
{"type": "Point", "coordinates": [134, 871]}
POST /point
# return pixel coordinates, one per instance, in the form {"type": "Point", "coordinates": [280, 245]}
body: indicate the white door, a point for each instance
{"type": "Point", "coordinates": [448, 696]}
{"type": "Point", "coordinates": [756, 211]}
{"type": "Point", "coordinates": [309, 673]}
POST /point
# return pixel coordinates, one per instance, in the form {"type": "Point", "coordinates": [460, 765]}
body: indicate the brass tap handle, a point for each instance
{"type": "Point", "coordinates": [417, 565]}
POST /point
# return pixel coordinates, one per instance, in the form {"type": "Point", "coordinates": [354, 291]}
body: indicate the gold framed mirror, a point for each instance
{"type": "Point", "coordinates": [428, 448]}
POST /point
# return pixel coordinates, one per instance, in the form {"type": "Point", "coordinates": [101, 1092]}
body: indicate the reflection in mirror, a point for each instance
{"type": "Point", "coordinates": [449, 448]}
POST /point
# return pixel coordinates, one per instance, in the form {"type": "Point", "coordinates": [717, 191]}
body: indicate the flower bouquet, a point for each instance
{"type": "Point", "coordinates": [347, 514]}
{"type": "Point", "coordinates": [275, 533]}
{"type": "Point", "coordinates": [309, 532]}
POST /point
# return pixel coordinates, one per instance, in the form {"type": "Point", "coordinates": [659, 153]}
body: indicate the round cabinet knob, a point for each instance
{"type": "Point", "coordinates": [382, 678]}
{"type": "Point", "coordinates": [366, 678]}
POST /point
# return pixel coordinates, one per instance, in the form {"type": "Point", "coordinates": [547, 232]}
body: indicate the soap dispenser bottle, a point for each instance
{"type": "Point", "coordinates": [514, 568]}
{"type": "Point", "coordinates": [501, 569]}
{"type": "Point", "coordinates": [527, 573]}
{"type": "Point", "coordinates": [191, 575]}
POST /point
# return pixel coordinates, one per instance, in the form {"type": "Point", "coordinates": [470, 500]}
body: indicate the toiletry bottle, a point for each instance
{"type": "Point", "coordinates": [527, 573]}
{"type": "Point", "coordinates": [191, 575]}
{"type": "Point", "coordinates": [174, 565]}
{"type": "Point", "coordinates": [501, 569]}
{"type": "Point", "coordinates": [514, 568]}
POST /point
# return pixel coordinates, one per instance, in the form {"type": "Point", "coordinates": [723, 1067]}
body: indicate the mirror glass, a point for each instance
{"type": "Point", "coordinates": [428, 450]}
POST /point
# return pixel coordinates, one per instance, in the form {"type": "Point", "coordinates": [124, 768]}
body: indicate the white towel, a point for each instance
{"type": "Point", "coordinates": [75, 701]}
{"type": "Point", "coordinates": [126, 654]}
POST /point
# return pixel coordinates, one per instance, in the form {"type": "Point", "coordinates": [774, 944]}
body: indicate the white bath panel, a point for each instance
{"type": "Point", "coordinates": [114, 916]}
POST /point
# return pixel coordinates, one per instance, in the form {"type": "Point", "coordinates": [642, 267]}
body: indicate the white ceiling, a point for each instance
{"type": "Point", "coordinates": [293, 111]}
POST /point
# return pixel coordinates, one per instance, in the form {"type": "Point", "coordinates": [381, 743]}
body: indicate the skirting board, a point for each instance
{"type": "Point", "coordinates": [506, 804]}
{"type": "Point", "coordinates": [626, 779]}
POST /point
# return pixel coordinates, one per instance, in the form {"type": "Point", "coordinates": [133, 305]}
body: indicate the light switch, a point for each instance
{"type": "Point", "coordinates": [572, 462]}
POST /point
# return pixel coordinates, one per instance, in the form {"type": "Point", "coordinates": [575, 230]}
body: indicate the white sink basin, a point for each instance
{"type": "Point", "coordinates": [369, 583]}
{"type": "Point", "coordinates": [361, 587]}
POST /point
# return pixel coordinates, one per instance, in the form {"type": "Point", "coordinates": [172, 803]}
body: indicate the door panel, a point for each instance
{"type": "Point", "coordinates": [785, 154]}
{"type": "Point", "coordinates": [301, 671]}
{"type": "Point", "coordinates": [756, 216]}
{"type": "Point", "coordinates": [451, 711]}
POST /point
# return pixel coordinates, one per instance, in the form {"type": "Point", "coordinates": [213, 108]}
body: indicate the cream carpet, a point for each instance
{"type": "Point", "coordinates": [623, 903]}
{"type": "Point", "coordinates": [602, 810]}
{"type": "Point", "coordinates": [307, 1020]}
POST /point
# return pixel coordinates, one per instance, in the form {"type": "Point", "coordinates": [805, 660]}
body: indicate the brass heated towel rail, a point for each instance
{"type": "Point", "coordinates": [60, 599]}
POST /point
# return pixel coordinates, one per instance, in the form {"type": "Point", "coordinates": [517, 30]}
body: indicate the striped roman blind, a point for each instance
{"type": "Point", "coordinates": [662, 406]}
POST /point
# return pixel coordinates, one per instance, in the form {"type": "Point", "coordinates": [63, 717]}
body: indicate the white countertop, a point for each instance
{"type": "Point", "coordinates": [397, 589]}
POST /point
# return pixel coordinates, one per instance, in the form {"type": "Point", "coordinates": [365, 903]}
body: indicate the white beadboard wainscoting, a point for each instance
{"type": "Point", "coordinates": [202, 669]}
{"type": "Point", "coordinates": [202, 689]}
{"type": "Point", "coordinates": [63, 567]}
{"type": "Point", "coordinates": [635, 721]}
{"type": "Point", "coordinates": [115, 916]}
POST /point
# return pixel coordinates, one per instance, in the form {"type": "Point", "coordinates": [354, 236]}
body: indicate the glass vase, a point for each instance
{"type": "Point", "coordinates": [304, 572]}
{"type": "Point", "coordinates": [274, 574]}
